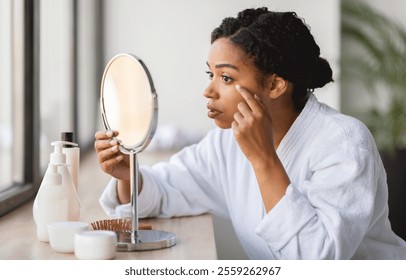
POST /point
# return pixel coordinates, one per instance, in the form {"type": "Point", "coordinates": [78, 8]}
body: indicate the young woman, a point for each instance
{"type": "Point", "coordinates": [298, 179]}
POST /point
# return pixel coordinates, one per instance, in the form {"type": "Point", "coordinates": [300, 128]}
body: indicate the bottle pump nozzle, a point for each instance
{"type": "Point", "coordinates": [58, 156]}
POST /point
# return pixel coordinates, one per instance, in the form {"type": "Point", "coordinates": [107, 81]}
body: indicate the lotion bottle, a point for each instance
{"type": "Point", "coordinates": [53, 202]}
{"type": "Point", "coordinates": [72, 153]}
{"type": "Point", "coordinates": [58, 158]}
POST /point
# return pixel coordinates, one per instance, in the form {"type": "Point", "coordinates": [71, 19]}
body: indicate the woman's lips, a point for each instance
{"type": "Point", "coordinates": [213, 113]}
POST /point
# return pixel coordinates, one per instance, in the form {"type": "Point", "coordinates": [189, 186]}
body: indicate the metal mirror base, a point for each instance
{"type": "Point", "coordinates": [147, 240]}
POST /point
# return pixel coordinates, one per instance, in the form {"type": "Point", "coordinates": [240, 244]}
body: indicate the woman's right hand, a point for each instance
{"type": "Point", "coordinates": [111, 160]}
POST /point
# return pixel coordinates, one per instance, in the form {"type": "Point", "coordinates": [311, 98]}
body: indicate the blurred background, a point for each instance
{"type": "Point", "coordinates": [52, 56]}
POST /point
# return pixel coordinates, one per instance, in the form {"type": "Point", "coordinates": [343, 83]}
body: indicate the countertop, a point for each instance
{"type": "Point", "coordinates": [194, 235]}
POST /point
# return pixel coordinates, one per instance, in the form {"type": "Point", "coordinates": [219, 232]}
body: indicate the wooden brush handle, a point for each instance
{"type": "Point", "coordinates": [144, 226]}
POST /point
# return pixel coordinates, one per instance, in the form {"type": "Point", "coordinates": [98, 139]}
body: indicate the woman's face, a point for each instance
{"type": "Point", "coordinates": [228, 66]}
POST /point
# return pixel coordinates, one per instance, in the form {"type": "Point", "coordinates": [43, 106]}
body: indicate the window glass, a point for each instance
{"type": "Point", "coordinates": [56, 73]}
{"type": "Point", "coordinates": [18, 144]}
{"type": "Point", "coordinates": [49, 82]}
{"type": "Point", "coordinates": [6, 125]}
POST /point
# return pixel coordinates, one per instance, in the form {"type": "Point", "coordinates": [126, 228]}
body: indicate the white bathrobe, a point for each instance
{"type": "Point", "coordinates": [334, 208]}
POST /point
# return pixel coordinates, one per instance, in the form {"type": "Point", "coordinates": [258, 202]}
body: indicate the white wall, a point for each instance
{"type": "Point", "coordinates": [173, 39]}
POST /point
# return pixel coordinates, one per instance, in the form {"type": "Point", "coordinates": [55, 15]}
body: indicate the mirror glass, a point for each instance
{"type": "Point", "coordinates": [129, 102]}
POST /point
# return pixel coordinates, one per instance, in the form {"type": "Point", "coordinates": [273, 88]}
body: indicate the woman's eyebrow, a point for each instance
{"type": "Point", "coordinates": [224, 65]}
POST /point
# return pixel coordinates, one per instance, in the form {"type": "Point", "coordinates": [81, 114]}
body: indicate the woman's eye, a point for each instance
{"type": "Point", "coordinates": [210, 74]}
{"type": "Point", "coordinates": [227, 79]}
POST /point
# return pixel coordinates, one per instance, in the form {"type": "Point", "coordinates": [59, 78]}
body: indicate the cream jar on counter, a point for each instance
{"type": "Point", "coordinates": [62, 235]}
{"type": "Point", "coordinates": [95, 245]}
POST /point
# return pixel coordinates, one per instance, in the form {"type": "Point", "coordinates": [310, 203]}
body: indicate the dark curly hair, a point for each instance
{"type": "Point", "coordinates": [278, 43]}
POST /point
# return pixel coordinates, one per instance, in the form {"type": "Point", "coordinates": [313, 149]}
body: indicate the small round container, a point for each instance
{"type": "Point", "coordinates": [62, 235]}
{"type": "Point", "coordinates": [95, 245]}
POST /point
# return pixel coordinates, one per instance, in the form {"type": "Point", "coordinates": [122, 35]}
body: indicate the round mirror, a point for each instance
{"type": "Point", "coordinates": [129, 105]}
{"type": "Point", "coordinates": [129, 102]}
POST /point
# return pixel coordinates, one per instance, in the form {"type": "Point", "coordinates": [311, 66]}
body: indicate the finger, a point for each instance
{"type": "Point", "coordinates": [248, 116]}
{"type": "Point", "coordinates": [244, 110]}
{"type": "Point", "coordinates": [238, 118]}
{"type": "Point", "coordinates": [107, 154]}
{"type": "Point", "coordinates": [249, 98]}
{"type": "Point", "coordinates": [253, 101]}
{"type": "Point", "coordinates": [237, 130]}
{"type": "Point", "coordinates": [234, 126]}
{"type": "Point", "coordinates": [108, 165]}
{"type": "Point", "coordinates": [102, 135]}
{"type": "Point", "coordinates": [100, 145]}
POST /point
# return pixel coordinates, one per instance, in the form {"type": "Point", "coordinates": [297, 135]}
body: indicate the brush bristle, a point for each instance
{"type": "Point", "coordinates": [119, 225]}
{"type": "Point", "coordinates": [112, 224]}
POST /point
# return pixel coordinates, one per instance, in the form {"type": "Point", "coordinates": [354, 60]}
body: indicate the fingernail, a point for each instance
{"type": "Point", "coordinates": [238, 87]}
{"type": "Point", "coordinates": [113, 142]}
{"type": "Point", "coordinates": [109, 133]}
{"type": "Point", "coordinates": [120, 157]}
{"type": "Point", "coordinates": [114, 149]}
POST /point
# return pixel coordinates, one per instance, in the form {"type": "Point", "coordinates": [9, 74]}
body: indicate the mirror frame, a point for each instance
{"type": "Point", "coordinates": [132, 149]}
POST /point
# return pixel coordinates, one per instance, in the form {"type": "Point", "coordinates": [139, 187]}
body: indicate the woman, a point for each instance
{"type": "Point", "coordinates": [298, 179]}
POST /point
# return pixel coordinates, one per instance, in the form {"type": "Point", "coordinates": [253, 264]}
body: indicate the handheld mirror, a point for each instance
{"type": "Point", "coordinates": [129, 105]}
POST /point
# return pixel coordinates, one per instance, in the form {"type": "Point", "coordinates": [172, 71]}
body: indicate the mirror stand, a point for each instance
{"type": "Point", "coordinates": [141, 240]}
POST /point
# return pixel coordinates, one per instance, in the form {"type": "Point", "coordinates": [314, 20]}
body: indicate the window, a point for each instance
{"type": "Point", "coordinates": [19, 145]}
{"type": "Point", "coordinates": [70, 71]}
{"type": "Point", "coordinates": [6, 132]}
{"type": "Point", "coordinates": [50, 74]}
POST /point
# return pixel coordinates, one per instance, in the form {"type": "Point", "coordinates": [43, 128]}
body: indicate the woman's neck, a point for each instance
{"type": "Point", "coordinates": [283, 115]}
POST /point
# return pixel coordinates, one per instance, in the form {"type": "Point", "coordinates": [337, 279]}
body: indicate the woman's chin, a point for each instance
{"type": "Point", "coordinates": [222, 125]}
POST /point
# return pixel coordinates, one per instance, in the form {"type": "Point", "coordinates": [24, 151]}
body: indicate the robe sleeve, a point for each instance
{"type": "Point", "coordinates": [328, 215]}
{"type": "Point", "coordinates": [186, 185]}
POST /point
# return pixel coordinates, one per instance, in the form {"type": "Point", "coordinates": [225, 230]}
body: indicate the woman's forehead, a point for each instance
{"type": "Point", "coordinates": [224, 52]}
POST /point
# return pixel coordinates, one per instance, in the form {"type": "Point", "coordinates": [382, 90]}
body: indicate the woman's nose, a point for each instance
{"type": "Point", "coordinates": [210, 91]}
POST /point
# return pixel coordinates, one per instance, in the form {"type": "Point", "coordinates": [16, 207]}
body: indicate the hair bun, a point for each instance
{"type": "Point", "coordinates": [322, 74]}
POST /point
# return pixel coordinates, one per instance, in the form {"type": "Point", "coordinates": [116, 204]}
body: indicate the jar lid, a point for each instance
{"type": "Point", "coordinates": [96, 238]}
{"type": "Point", "coordinates": [69, 225]}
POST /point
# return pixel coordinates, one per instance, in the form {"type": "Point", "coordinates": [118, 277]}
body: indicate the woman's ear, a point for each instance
{"type": "Point", "coordinates": [277, 86]}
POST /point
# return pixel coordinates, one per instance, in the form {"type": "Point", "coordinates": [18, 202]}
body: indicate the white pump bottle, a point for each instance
{"type": "Point", "coordinates": [58, 158]}
{"type": "Point", "coordinates": [52, 202]}
{"type": "Point", "coordinates": [72, 153]}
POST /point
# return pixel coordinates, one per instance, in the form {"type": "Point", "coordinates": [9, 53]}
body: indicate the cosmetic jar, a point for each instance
{"type": "Point", "coordinates": [95, 245]}
{"type": "Point", "coordinates": [62, 235]}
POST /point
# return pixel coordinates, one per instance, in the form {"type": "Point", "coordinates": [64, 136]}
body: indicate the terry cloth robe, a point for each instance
{"type": "Point", "coordinates": [335, 207]}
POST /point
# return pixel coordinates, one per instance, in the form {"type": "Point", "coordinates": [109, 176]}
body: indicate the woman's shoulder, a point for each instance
{"type": "Point", "coordinates": [340, 127]}
{"type": "Point", "coordinates": [347, 124]}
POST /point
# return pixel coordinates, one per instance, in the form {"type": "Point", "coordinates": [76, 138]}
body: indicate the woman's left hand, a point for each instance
{"type": "Point", "coordinates": [252, 127]}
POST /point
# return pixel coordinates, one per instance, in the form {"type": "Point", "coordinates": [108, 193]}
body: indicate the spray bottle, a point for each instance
{"type": "Point", "coordinates": [58, 158]}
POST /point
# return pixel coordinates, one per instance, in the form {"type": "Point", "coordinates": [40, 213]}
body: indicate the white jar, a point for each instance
{"type": "Point", "coordinates": [95, 245]}
{"type": "Point", "coordinates": [62, 235]}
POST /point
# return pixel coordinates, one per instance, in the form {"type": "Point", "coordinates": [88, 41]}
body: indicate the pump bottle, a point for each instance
{"type": "Point", "coordinates": [58, 158]}
{"type": "Point", "coordinates": [72, 153]}
{"type": "Point", "coordinates": [53, 202]}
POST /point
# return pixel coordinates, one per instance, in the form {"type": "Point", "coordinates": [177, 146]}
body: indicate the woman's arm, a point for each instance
{"type": "Point", "coordinates": [253, 131]}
